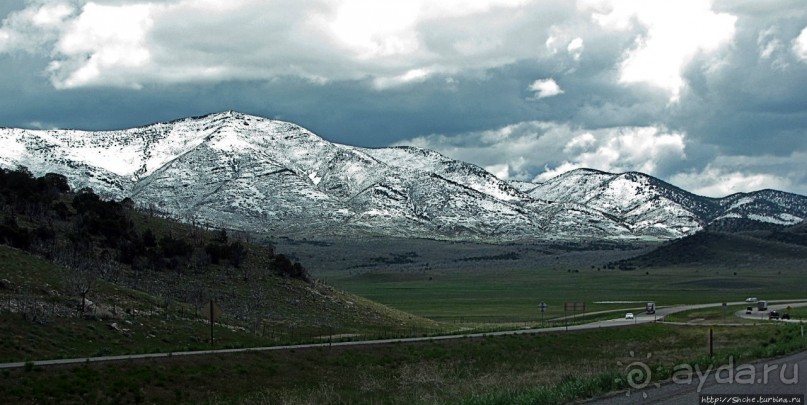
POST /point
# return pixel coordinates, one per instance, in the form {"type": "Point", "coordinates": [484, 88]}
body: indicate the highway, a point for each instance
{"type": "Point", "coordinates": [640, 318]}
{"type": "Point", "coordinates": [763, 315]}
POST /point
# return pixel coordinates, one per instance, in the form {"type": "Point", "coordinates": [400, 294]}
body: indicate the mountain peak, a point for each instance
{"type": "Point", "coordinates": [585, 170]}
{"type": "Point", "coordinates": [221, 115]}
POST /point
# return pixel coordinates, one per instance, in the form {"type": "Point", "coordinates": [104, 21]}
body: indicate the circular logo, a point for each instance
{"type": "Point", "coordinates": [638, 375]}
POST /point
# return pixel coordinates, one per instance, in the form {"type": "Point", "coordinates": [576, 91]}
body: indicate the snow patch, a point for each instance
{"type": "Point", "coordinates": [314, 178]}
{"type": "Point", "coordinates": [791, 219]}
{"type": "Point", "coordinates": [13, 149]}
{"type": "Point", "coordinates": [781, 219]}
{"type": "Point", "coordinates": [741, 202]}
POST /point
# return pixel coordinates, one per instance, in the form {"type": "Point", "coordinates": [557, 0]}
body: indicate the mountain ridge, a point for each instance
{"type": "Point", "coordinates": [252, 173]}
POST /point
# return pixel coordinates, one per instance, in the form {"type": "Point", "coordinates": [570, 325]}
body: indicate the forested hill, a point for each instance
{"type": "Point", "coordinates": [42, 215]}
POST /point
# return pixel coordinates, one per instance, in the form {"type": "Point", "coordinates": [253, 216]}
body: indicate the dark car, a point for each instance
{"type": "Point", "coordinates": [786, 316]}
{"type": "Point", "coordinates": [773, 315]}
{"type": "Point", "coordinates": [748, 310]}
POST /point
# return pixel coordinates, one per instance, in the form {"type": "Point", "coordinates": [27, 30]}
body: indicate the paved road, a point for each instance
{"type": "Point", "coordinates": [593, 325]}
{"type": "Point", "coordinates": [639, 319]}
{"type": "Point", "coordinates": [762, 380]}
{"type": "Point", "coordinates": [763, 315]}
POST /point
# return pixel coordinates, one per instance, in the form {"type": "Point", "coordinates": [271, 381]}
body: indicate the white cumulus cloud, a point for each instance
{"type": "Point", "coordinates": [545, 88]}
{"type": "Point", "coordinates": [716, 182]}
{"type": "Point", "coordinates": [131, 43]}
{"type": "Point", "coordinates": [727, 174]}
{"type": "Point", "coordinates": [800, 45]}
{"type": "Point", "coordinates": [575, 48]}
{"type": "Point", "coordinates": [673, 33]}
{"type": "Point", "coordinates": [390, 43]}
{"type": "Point", "coordinates": [101, 39]}
{"type": "Point", "coordinates": [538, 150]}
{"type": "Point", "coordinates": [623, 149]}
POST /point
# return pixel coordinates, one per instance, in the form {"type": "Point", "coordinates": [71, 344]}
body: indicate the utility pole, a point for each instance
{"type": "Point", "coordinates": [212, 311]}
{"type": "Point", "coordinates": [565, 318]}
{"type": "Point", "coordinates": [211, 323]}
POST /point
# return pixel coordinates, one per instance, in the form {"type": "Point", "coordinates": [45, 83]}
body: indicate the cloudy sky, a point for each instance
{"type": "Point", "coordinates": [708, 95]}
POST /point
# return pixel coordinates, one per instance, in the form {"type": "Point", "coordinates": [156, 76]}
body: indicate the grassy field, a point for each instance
{"type": "Point", "coordinates": [712, 315]}
{"type": "Point", "coordinates": [545, 368]}
{"type": "Point", "coordinates": [501, 295]}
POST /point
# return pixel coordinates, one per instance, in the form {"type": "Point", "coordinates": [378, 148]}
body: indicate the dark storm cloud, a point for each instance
{"type": "Point", "coordinates": [749, 100]}
{"type": "Point", "coordinates": [8, 6]}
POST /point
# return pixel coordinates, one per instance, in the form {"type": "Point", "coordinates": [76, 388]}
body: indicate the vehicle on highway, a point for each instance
{"type": "Point", "coordinates": [785, 315]}
{"type": "Point", "coordinates": [749, 310]}
{"type": "Point", "coordinates": [650, 308]}
{"type": "Point", "coordinates": [629, 316]}
{"type": "Point", "coordinates": [773, 315]}
{"type": "Point", "coordinates": [762, 305]}
{"type": "Point", "coordinates": [751, 299]}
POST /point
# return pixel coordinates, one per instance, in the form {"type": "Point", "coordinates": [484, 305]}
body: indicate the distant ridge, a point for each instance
{"type": "Point", "coordinates": [738, 250]}
{"type": "Point", "coordinates": [251, 173]}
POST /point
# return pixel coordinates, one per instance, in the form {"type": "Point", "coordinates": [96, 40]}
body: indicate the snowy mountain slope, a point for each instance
{"type": "Point", "coordinates": [641, 201]}
{"type": "Point", "coordinates": [634, 199]}
{"type": "Point", "coordinates": [408, 157]}
{"type": "Point", "coordinates": [771, 206]}
{"type": "Point", "coordinates": [246, 172]}
{"type": "Point", "coordinates": [252, 173]}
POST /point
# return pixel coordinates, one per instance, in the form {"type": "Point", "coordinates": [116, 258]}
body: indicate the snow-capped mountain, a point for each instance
{"type": "Point", "coordinates": [245, 172]}
{"type": "Point", "coordinates": [642, 201]}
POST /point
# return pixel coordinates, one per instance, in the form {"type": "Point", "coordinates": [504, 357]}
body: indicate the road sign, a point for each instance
{"type": "Point", "coordinates": [574, 307]}
{"type": "Point", "coordinates": [542, 306]}
{"type": "Point", "coordinates": [212, 311]}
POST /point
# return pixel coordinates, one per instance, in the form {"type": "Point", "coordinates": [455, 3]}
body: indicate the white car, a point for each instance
{"type": "Point", "coordinates": [629, 316]}
{"type": "Point", "coordinates": [752, 299]}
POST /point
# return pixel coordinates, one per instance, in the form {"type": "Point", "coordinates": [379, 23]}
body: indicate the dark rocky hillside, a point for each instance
{"type": "Point", "coordinates": [756, 244]}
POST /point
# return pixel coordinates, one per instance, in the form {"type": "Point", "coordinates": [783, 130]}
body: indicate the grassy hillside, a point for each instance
{"type": "Point", "coordinates": [80, 276]}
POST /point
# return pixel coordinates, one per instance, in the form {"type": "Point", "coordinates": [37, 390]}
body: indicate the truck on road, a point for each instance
{"type": "Point", "coordinates": [762, 305]}
{"type": "Point", "coordinates": [650, 308]}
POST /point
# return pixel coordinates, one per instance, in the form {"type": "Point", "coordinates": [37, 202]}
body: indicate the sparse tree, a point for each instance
{"type": "Point", "coordinates": [236, 253]}
{"type": "Point", "coordinates": [28, 305]}
{"type": "Point", "coordinates": [108, 269]}
{"type": "Point", "coordinates": [253, 304]}
{"type": "Point", "coordinates": [80, 275]}
{"type": "Point", "coordinates": [221, 236]}
{"type": "Point", "coordinates": [196, 295]}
